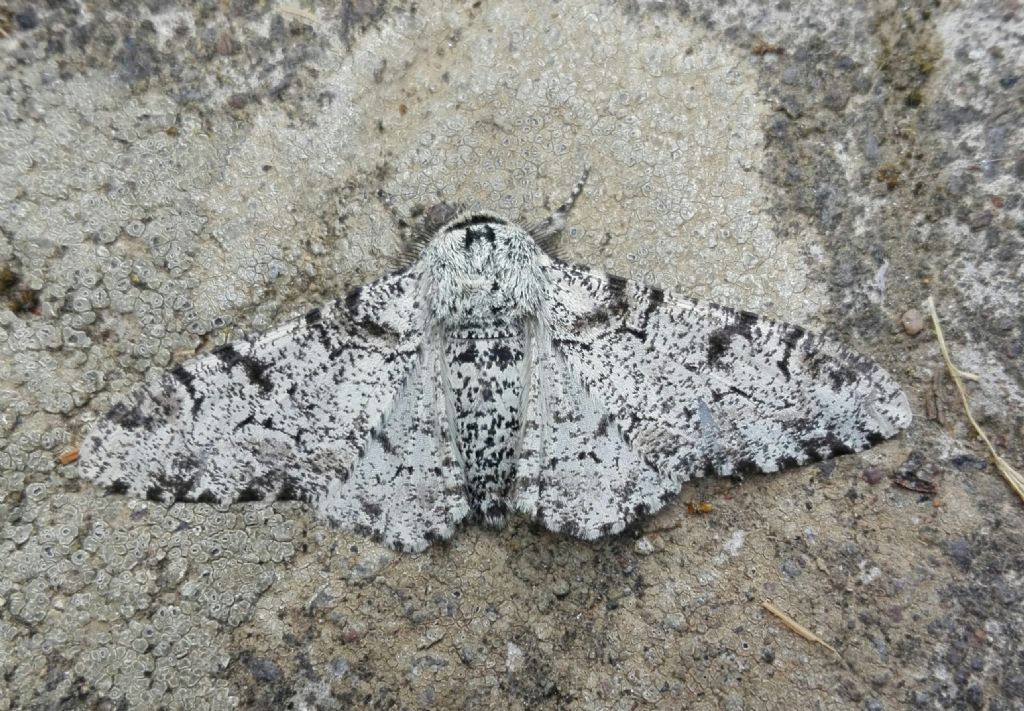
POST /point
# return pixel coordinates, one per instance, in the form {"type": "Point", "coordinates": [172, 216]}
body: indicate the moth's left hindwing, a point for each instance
{"type": "Point", "coordinates": [286, 415]}
{"type": "Point", "coordinates": [691, 388]}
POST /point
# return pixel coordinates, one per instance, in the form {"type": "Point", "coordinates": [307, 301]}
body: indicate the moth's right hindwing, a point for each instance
{"type": "Point", "coordinates": [577, 473]}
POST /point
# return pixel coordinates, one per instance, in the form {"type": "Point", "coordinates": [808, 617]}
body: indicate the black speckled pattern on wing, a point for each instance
{"type": "Point", "coordinates": [577, 472]}
{"type": "Point", "coordinates": [485, 378]}
{"type": "Point", "coordinates": [698, 388]}
{"type": "Point", "coordinates": [287, 415]}
{"type": "Point", "coordinates": [407, 487]}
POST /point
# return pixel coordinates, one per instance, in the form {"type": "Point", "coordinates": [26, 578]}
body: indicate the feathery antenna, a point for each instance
{"type": "Point", "coordinates": [546, 232]}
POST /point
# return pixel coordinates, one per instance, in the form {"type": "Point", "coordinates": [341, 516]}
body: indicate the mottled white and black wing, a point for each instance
{"type": "Point", "coordinates": [578, 474]}
{"type": "Point", "coordinates": [407, 487]}
{"type": "Point", "coordinates": [303, 412]}
{"type": "Point", "coordinates": [690, 389]}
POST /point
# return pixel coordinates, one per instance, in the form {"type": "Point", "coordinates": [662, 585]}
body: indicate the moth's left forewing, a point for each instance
{"type": "Point", "coordinates": [390, 305]}
{"type": "Point", "coordinates": [281, 415]}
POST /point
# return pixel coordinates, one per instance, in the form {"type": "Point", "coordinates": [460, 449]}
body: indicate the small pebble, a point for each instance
{"type": "Point", "coordinates": [913, 322]}
{"type": "Point", "coordinates": [560, 588]}
{"type": "Point", "coordinates": [225, 46]}
{"type": "Point", "coordinates": [644, 546]}
{"type": "Point", "coordinates": [872, 475]}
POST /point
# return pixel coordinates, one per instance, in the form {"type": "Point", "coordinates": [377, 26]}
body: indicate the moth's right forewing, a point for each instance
{"type": "Point", "coordinates": [697, 388]}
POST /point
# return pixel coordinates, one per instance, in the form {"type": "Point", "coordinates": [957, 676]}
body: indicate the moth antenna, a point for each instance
{"type": "Point", "coordinates": [413, 239]}
{"type": "Point", "coordinates": [424, 224]}
{"type": "Point", "coordinates": [546, 232]}
{"type": "Point", "coordinates": [406, 225]}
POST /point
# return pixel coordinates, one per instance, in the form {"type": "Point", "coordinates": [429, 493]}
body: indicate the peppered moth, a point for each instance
{"type": "Point", "coordinates": [490, 376]}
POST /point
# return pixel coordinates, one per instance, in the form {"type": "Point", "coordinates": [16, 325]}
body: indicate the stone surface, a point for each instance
{"type": "Point", "coordinates": [175, 176]}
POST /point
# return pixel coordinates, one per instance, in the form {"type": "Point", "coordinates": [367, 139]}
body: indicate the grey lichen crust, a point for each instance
{"type": "Point", "coordinates": [486, 377]}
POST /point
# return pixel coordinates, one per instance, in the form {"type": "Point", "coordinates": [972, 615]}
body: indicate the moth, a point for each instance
{"type": "Point", "coordinates": [486, 377]}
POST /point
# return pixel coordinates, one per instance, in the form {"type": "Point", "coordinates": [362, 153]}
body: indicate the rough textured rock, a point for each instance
{"type": "Point", "coordinates": [177, 176]}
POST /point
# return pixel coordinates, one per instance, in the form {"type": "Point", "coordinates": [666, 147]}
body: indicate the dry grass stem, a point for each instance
{"type": "Point", "coordinates": [797, 627]}
{"type": "Point", "coordinates": [298, 13]}
{"type": "Point", "coordinates": [1011, 475]}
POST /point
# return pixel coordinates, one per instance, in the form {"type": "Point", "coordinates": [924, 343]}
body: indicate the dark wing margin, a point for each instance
{"type": "Point", "coordinates": [289, 414]}
{"type": "Point", "coordinates": [695, 388]}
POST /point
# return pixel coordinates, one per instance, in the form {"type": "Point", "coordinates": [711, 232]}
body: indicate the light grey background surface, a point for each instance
{"type": "Point", "coordinates": [177, 176]}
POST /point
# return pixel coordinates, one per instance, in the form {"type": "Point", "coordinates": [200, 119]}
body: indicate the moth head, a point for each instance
{"type": "Point", "coordinates": [480, 269]}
